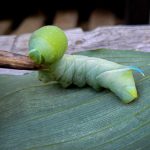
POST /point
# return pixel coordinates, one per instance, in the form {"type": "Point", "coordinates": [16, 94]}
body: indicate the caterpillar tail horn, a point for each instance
{"type": "Point", "coordinates": [137, 70]}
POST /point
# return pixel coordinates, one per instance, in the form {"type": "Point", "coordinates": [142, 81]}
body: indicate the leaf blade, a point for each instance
{"type": "Point", "coordinates": [73, 118]}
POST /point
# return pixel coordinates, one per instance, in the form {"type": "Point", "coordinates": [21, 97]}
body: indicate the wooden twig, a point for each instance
{"type": "Point", "coordinates": [17, 61]}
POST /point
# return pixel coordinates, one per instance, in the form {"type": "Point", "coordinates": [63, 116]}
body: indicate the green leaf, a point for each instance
{"type": "Point", "coordinates": [37, 116]}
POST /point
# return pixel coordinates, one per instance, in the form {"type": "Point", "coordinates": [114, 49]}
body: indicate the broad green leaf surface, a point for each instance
{"type": "Point", "coordinates": [37, 116]}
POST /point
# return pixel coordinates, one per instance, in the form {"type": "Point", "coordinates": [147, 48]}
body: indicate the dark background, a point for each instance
{"type": "Point", "coordinates": [133, 12]}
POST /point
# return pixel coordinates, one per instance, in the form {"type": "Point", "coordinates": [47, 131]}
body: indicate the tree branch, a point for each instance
{"type": "Point", "coordinates": [17, 61]}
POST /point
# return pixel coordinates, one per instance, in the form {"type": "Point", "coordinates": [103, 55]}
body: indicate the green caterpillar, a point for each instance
{"type": "Point", "coordinates": [76, 69]}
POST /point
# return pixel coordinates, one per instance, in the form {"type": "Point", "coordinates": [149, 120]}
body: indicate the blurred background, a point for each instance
{"type": "Point", "coordinates": [24, 16]}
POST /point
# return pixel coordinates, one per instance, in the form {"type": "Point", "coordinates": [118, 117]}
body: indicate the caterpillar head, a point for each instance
{"type": "Point", "coordinates": [47, 45]}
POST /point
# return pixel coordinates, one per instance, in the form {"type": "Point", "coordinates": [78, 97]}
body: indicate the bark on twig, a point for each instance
{"type": "Point", "coordinates": [16, 61]}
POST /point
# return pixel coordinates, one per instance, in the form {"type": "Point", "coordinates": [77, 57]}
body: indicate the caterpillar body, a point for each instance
{"type": "Point", "coordinates": [77, 69]}
{"type": "Point", "coordinates": [95, 72]}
